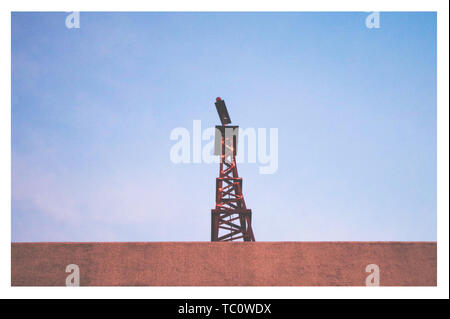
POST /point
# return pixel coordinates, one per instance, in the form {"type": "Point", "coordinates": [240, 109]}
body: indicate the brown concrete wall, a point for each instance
{"type": "Point", "coordinates": [224, 264]}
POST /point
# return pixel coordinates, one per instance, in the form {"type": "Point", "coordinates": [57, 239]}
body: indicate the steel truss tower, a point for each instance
{"type": "Point", "coordinates": [231, 219]}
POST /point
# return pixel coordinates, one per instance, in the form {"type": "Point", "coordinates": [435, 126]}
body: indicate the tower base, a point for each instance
{"type": "Point", "coordinates": [237, 223]}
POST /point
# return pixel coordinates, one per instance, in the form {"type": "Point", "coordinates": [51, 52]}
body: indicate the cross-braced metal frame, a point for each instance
{"type": "Point", "coordinates": [230, 220]}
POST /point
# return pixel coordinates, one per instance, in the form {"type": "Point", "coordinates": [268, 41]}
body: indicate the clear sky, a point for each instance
{"type": "Point", "coordinates": [93, 109]}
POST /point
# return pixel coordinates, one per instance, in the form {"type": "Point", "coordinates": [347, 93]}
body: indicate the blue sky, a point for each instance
{"type": "Point", "coordinates": [93, 109]}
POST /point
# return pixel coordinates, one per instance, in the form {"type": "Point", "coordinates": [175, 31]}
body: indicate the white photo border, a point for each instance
{"type": "Point", "coordinates": [441, 291]}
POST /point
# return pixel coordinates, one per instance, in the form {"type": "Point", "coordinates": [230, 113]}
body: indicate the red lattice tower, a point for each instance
{"type": "Point", "coordinates": [231, 219]}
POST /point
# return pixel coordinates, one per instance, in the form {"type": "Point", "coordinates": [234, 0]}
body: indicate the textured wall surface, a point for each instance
{"type": "Point", "coordinates": [224, 264]}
